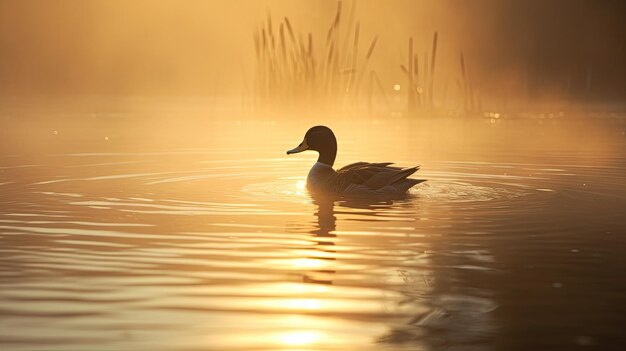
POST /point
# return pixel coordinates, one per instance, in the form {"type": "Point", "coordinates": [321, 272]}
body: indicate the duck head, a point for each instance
{"type": "Point", "coordinates": [320, 139]}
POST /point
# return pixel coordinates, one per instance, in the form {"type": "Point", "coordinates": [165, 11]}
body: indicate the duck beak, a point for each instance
{"type": "Point", "coordinates": [302, 147]}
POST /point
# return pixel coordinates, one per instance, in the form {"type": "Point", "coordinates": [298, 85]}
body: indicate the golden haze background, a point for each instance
{"type": "Point", "coordinates": [201, 48]}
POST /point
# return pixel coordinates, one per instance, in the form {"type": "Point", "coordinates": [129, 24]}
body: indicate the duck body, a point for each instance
{"type": "Point", "coordinates": [360, 178]}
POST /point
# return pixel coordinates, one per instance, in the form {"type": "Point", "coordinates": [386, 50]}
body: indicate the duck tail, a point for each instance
{"type": "Point", "coordinates": [402, 175]}
{"type": "Point", "coordinates": [402, 183]}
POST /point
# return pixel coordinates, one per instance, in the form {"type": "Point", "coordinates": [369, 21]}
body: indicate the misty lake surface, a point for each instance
{"type": "Point", "coordinates": [118, 232]}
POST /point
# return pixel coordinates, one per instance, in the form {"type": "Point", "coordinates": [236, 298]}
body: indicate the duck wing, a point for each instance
{"type": "Point", "coordinates": [375, 176]}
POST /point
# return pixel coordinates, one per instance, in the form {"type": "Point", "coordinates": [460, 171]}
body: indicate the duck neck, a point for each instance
{"type": "Point", "coordinates": [328, 155]}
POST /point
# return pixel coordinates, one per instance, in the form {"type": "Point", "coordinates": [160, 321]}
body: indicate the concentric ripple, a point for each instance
{"type": "Point", "coordinates": [224, 249]}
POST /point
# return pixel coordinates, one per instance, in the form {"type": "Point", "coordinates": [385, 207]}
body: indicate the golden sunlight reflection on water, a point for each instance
{"type": "Point", "coordinates": [300, 338]}
{"type": "Point", "coordinates": [301, 186]}
{"type": "Point", "coordinates": [200, 242]}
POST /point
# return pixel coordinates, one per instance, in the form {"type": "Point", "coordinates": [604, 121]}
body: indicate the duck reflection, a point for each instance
{"type": "Point", "coordinates": [440, 307]}
{"type": "Point", "coordinates": [323, 254]}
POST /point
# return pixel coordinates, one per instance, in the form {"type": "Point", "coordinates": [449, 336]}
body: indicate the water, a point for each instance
{"type": "Point", "coordinates": [124, 235]}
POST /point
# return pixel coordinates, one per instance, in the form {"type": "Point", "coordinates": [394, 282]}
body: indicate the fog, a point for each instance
{"type": "Point", "coordinates": [531, 49]}
{"type": "Point", "coordinates": [147, 200]}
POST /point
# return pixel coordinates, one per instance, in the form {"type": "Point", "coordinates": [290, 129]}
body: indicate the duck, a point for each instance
{"type": "Point", "coordinates": [359, 178]}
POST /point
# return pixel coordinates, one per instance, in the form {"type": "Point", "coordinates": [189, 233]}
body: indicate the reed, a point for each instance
{"type": "Point", "coordinates": [383, 92]}
{"type": "Point", "coordinates": [426, 77]}
{"type": "Point", "coordinates": [291, 71]}
{"type": "Point", "coordinates": [411, 95]}
{"type": "Point", "coordinates": [354, 61]}
{"type": "Point", "coordinates": [416, 70]}
{"type": "Point", "coordinates": [470, 88]}
{"type": "Point", "coordinates": [421, 80]}
{"type": "Point", "coordinates": [413, 89]}
{"type": "Point", "coordinates": [432, 70]}
{"type": "Point", "coordinates": [365, 64]}
{"type": "Point", "coordinates": [296, 70]}
{"type": "Point", "coordinates": [464, 87]}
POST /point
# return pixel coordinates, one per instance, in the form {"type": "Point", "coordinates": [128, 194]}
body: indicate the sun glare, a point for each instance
{"type": "Point", "coordinates": [300, 337]}
{"type": "Point", "coordinates": [304, 304]}
{"type": "Point", "coordinates": [306, 262]}
{"type": "Point", "coordinates": [300, 187]}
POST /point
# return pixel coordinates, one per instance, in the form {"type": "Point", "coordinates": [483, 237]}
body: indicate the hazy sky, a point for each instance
{"type": "Point", "coordinates": [204, 47]}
